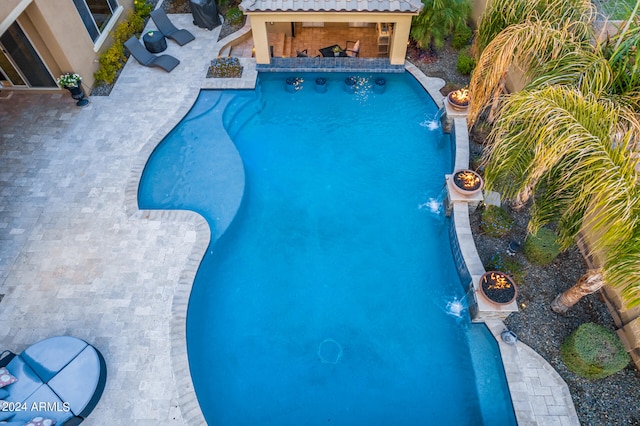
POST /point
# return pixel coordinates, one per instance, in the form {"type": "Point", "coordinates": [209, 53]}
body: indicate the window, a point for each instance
{"type": "Point", "coordinates": [96, 15]}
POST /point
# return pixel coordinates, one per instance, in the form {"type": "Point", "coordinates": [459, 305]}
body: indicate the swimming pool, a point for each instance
{"type": "Point", "coordinates": [327, 300]}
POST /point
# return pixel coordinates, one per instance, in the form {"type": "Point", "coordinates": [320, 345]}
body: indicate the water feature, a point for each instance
{"type": "Point", "coordinates": [433, 122]}
{"type": "Point", "coordinates": [316, 305]}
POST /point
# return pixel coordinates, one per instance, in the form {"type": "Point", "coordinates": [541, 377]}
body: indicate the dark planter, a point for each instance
{"type": "Point", "coordinates": [498, 287]}
{"type": "Point", "coordinates": [467, 182]}
{"type": "Point", "coordinates": [78, 94]}
{"type": "Point", "coordinates": [457, 104]}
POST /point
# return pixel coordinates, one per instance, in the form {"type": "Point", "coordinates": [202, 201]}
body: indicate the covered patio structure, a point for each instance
{"type": "Point", "coordinates": [276, 25]}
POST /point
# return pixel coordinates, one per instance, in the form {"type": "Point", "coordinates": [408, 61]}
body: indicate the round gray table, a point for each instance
{"type": "Point", "coordinates": [154, 41]}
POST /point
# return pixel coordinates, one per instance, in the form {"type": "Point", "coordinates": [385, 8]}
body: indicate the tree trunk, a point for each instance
{"type": "Point", "coordinates": [521, 199]}
{"type": "Point", "coordinates": [590, 282]}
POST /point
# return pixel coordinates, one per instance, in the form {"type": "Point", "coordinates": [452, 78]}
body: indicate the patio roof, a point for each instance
{"type": "Point", "coordinates": [396, 6]}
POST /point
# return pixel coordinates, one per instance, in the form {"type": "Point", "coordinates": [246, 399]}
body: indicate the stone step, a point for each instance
{"type": "Point", "coordinates": [225, 52]}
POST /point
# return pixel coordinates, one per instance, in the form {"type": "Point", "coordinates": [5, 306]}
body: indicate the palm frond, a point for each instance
{"type": "Point", "coordinates": [587, 70]}
{"type": "Point", "coordinates": [625, 60]}
{"type": "Point", "coordinates": [500, 14]}
{"type": "Point", "coordinates": [527, 46]}
{"type": "Point", "coordinates": [622, 269]}
{"type": "Point", "coordinates": [575, 148]}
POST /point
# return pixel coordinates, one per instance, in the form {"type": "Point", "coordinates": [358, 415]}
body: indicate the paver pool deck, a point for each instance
{"type": "Point", "coordinates": [78, 258]}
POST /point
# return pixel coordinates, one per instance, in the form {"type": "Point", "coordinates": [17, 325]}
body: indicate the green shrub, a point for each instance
{"type": "Point", "coordinates": [466, 62]}
{"type": "Point", "coordinates": [495, 221]}
{"type": "Point", "coordinates": [235, 16]}
{"type": "Point", "coordinates": [542, 248]}
{"type": "Point", "coordinates": [134, 24]}
{"type": "Point", "coordinates": [112, 59]}
{"type": "Point", "coordinates": [461, 37]}
{"type": "Point", "coordinates": [593, 352]}
{"type": "Point", "coordinates": [110, 62]}
{"type": "Point", "coordinates": [142, 8]}
{"type": "Point", "coordinates": [509, 266]}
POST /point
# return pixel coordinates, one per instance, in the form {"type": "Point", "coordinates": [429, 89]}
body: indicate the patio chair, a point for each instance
{"type": "Point", "coordinates": [169, 30]}
{"type": "Point", "coordinates": [142, 55]}
{"type": "Point", "coordinates": [63, 377]}
{"type": "Point", "coordinates": [354, 50]}
{"type": "Point", "coordinates": [304, 54]}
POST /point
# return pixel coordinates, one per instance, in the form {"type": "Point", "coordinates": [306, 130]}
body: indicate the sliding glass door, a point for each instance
{"type": "Point", "coordinates": [20, 64]}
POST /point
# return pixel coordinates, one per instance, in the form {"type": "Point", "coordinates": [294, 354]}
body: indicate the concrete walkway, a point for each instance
{"type": "Point", "coordinates": [77, 257]}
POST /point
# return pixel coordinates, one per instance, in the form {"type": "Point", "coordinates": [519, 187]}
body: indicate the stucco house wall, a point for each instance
{"type": "Point", "coordinates": [59, 36]}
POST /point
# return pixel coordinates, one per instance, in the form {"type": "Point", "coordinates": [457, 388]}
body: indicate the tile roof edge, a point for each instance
{"type": "Point", "coordinates": [405, 6]}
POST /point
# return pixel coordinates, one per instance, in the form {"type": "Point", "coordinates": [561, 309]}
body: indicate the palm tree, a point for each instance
{"type": "Point", "coordinates": [552, 46]}
{"type": "Point", "coordinates": [621, 263]}
{"type": "Point", "coordinates": [437, 20]}
{"type": "Point", "coordinates": [625, 60]}
{"type": "Point", "coordinates": [621, 268]}
{"type": "Point", "coordinates": [566, 138]}
{"type": "Point", "coordinates": [532, 47]}
{"type": "Point", "coordinates": [572, 150]}
{"type": "Point", "coordinates": [501, 14]}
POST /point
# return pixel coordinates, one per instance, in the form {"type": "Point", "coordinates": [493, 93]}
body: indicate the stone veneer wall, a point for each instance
{"type": "Point", "coordinates": [379, 65]}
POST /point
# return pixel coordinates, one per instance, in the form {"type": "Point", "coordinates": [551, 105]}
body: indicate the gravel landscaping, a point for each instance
{"type": "Point", "coordinates": [609, 401]}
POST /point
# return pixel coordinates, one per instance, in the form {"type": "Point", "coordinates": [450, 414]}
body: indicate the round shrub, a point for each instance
{"type": "Point", "coordinates": [466, 62]}
{"type": "Point", "coordinates": [235, 16]}
{"type": "Point", "coordinates": [594, 352]}
{"type": "Point", "coordinates": [495, 221]}
{"type": "Point", "coordinates": [461, 37]}
{"type": "Point", "coordinates": [509, 266]}
{"type": "Point", "coordinates": [142, 8]}
{"type": "Point", "coordinates": [541, 248]}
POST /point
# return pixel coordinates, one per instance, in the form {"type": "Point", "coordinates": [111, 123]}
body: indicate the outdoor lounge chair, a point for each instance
{"type": "Point", "coordinates": [169, 30]}
{"type": "Point", "coordinates": [142, 55]}
{"type": "Point", "coordinates": [354, 50]}
{"type": "Point", "coordinates": [60, 378]}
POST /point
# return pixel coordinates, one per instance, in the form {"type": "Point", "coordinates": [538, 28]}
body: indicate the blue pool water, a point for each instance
{"type": "Point", "coordinates": [328, 300]}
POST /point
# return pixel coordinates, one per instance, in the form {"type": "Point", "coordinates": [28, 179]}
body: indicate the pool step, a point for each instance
{"type": "Point", "coordinates": [239, 111]}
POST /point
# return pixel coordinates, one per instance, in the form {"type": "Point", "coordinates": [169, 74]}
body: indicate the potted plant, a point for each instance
{"type": "Point", "coordinates": [336, 50]}
{"type": "Point", "coordinates": [73, 83]}
{"type": "Point", "coordinates": [69, 80]}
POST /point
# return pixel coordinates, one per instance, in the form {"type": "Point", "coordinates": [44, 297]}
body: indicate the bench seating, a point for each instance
{"type": "Point", "coordinates": [60, 378]}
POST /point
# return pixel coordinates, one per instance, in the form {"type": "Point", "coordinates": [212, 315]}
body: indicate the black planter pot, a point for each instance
{"type": "Point", "coordinates": [498, 287]}
{"type": "Point", "coordinates": [78, 94]}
